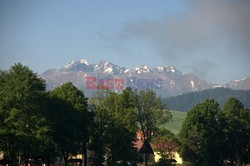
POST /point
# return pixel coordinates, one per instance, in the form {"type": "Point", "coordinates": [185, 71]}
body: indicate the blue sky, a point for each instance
{"type": "Point", "coordinates": [210, 38]}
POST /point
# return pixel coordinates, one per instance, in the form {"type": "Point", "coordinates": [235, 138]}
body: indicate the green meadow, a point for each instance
{"type": "Point", "coordinates": [175, 124]}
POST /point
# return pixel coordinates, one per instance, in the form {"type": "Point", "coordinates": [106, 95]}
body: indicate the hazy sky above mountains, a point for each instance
{"type": "Point", "coordinates": [210, 38]}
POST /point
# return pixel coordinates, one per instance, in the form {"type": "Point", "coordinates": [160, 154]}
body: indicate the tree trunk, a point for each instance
{"type": "Point", "coordinates": [48, 162]}
{"type": "Point", "coordinates": [26, 159]}
{"type": "Point", "coordinates": [27, 162]}
{"type": "Point", "coordinates": [146, 154]}
{"type": "Point", "coordinates": [85, 162]}
{"type": "Point", "coordinates": [65, 156]}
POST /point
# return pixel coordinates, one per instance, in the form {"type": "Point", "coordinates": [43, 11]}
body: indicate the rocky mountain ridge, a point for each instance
{"type": "Point", "coordinates": [173, 82]}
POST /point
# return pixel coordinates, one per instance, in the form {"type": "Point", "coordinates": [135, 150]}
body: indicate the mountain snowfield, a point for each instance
{"type": "Point", "coordinates": [174, 81]}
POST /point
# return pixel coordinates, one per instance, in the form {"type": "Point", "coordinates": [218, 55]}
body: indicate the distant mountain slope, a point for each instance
{"type": "Point", "coordinates": [242, 84]}
{"type": "Point", "coordinates": [188, 100]}
{"type": "Point", "coordinates": [174, 81]}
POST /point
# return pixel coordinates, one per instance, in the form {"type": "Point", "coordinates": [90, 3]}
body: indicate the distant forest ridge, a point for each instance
{"type": "Point", "coordinates": [187, 101]}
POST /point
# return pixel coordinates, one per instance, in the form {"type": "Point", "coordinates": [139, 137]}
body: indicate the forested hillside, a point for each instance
{"type": "Point", "coordinates": [186, 101]}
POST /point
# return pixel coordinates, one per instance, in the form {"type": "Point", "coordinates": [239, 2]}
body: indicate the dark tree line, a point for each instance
{"type": "Point", "coordinates": [187, 101]}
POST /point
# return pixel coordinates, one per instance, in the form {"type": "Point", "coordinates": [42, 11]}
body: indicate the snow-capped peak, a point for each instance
{"type": "Point", "coordinates": [126, 71]}
{"type": "Point", "coordinates": [74, 63]}
{"type": "Point", "coordinates": [80, 65]}
{"type": "Point", "coordinates": [108, 68]}
{"type": "Point", "coordinates": [239, 84]}
{"type": "Point", "coordinates": [216, 85]}
{"type": "Point", "coordinates": [84, 61]}
{"type": "Point", "coordinates": [168, 70]}
{"type": "Point", "coordinates": [162, 68]}
{"type": "Point", "coordinates": [171, 69]}
{"type": "Point", "coordinates": [240, 80]}
{"type": "Point", "coordinates": [71, 64]}
{"type": "Point", "coordinates": [142, 69]}
{"type": "Point", "coordinates": [235, 82]}
{"type": "Point", "coordinates": [103, 66]}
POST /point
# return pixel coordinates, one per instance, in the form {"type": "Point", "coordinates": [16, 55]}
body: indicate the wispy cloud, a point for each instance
{"type": "Point", "coordinates": [208, 24]}
{"type": "Point", "coordinates": [210, 30]}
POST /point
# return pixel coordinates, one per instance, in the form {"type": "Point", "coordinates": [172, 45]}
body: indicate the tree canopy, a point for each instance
{"type": "Point", "coordinates": [36, 125]}
{"type": "Point", "coordinates": [236, 129]}
{"type": "Point", "coordinates": [23, 127]}
{"type": "Point", "coordinates": [213, 136]}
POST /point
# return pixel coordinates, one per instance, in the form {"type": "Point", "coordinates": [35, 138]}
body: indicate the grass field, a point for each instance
{"type": "Point", "coordinates": [175, 124]}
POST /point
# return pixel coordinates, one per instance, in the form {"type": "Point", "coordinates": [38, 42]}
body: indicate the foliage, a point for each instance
{"type": "Point", "coordinates": [69, 111]}
{"type": "Point", "coordinates": [114, 127]}
{"type": "Point", "coordinates": [200, 134]}
{"type": "Point", "coordinates": [23, 127]}
{"type": "Point", "coordinates": [187, 101]}
{"type": "Point", "coordinates": [117, 117]}
{"type": "Point", "coordinates": [213, 136]}
{"type": "Point", "coordinates": [37, 126]}
{"type": "Point", "coordinates": [150, 112]}
{"type": "Point", "coordinates": [235, 120]}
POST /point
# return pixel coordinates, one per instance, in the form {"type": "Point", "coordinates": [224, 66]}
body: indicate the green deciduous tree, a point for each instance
{"type": "Point", "coordinates": [214, 136]}
{"type": "Point", "coordinates": [121, 129]}
{"type": "Point", "coordinates": [201, 135]}
{"type": "Point", "coordinates": [235, 120]}
{"type": "Point", "coordinates": [150, 113]}
{"type": "Point", "coordinates": [71, 120]}
{"type": "Point", "coordinates": [98, 127]}
{"type": "Point", "coordinates": [115, 127]}
{"type": "Point", "coordinates": [23, 128]}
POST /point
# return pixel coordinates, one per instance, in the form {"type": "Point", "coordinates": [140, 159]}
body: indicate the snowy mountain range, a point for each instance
{"type": "Point", "coordinates": [174, 82]}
